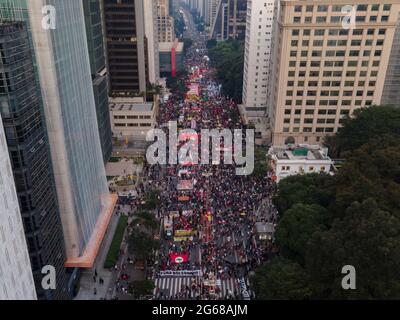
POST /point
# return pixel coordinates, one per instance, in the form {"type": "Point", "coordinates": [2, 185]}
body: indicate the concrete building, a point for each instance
{"type": "Point", "coordinates": [171, 57]}
{"type": "Point", "coordinates": [16, 279]}
{"type": "Point", "coordinates": [63, 66]}
{"type": "Point", "coordinates": [302, 159]}
{"type": "Point", "coordinates": [166, 29]}
{"type": "Point", "coordinates": [126, 47]}
{"type": "Point", "coordinates": [151, 33]}
{"type": "Point", "coordinates": [257, 58]}
{"type": "Point", "coordinates": [211, 12]}
{"type": "Point", "coordinates": [94, 35]}
{"type": "Point", "coordinates": [229, 20]}
{"type": "Point", "coordinates": [27, 141]}
{"type": "Point", "coordinates": [326, 68]}
{"type": "Point", "coordinates": [132, 119]}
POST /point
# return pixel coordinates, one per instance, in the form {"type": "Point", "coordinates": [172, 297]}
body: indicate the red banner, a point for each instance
{"type": "Point", "coordinates": [179, 258]}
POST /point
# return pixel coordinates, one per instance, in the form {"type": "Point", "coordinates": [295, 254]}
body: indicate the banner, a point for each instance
{"type": "Point", "coordinates": [179, 239]}
{"type": "Point", "coordinates": [181, 273]}
{"type": "Point", "coordinates": [185, 233]}
{"type": "Point", "coordinates": [179, 258]}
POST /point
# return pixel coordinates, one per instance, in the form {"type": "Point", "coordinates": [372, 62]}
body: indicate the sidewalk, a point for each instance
{"type": "Point", "coordinates": [87, 283]}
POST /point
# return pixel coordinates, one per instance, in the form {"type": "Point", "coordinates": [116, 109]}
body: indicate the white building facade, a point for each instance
{"type": "Point", "coordinates": [258, 57]}
{"type": "Point", "coordinates": [151, 33]}
{"type": "Point", "coordinates": [16, 279]}
{"type": "Point", "coordinates": [286, 161]}
{"type": "Point", "coordinates": [132, 119]}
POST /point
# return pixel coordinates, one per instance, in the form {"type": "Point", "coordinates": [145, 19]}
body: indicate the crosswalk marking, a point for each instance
{"type": "Point", "coordinates": [230, 285]}
{"type": "Point", "coordinates": [173, 285]}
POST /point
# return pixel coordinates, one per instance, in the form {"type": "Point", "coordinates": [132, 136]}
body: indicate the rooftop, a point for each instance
{"type": "Point", "coordinates": [139, 107]}
{"type": "Point", "coordinates": [167, 46]}
{"type": "Point", "coordinates": [299, 152]}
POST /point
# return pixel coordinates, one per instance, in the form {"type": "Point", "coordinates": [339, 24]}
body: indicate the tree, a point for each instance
{"type": "Point", "coordinates": [261, 166]}
{"type": "Point", "coordinates": [307, 189]}
{"type": "Point", "coordinates": [151, 200]}
{"type": "Point", "coordinates": [296, 228]}
{"type": "Point", "coordinates": [350, 219]}
{"type": "Point", "coordinates": [228, 58]}
{"type": "Point", "coordinates": [366, 124]}
{"type": "Point", "coordinates": [141, 245]}
{"type": "Point", "coordinates": [367, 238]}
{"type": "Point", "coordinates": [141, 288]}
{"type": "Point", "coordinates": [146, 219]}
{"type": "Point", "coordinates": [372, 171]}
{"type": "Point", "coordinates": [281, 279]}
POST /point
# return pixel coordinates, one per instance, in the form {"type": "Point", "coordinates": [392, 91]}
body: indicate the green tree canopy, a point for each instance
{"type": "Point", "coordinates": [308, 189]}
{"type": "Point", "coordinates": [297, 226]}
{"type": "Point", "coordinates": [141, 244]}
{"type": "Point", "coordinates": [228, 58]}
{"type": "Point", "coordinates": [366, 124]}
{"type": "Point", "coordinates": [367, 238]}
{"type": "Point", "coordinates": [281, 279]}
{"type": "Point", "coordinates": [141, 288]}
{"type": "Point", "coordinates": [352, 219]}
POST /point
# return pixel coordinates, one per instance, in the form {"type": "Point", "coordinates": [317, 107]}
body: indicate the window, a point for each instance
{"type": "Point", "coordinates": [295, 32]}
{"type": "Point", "coordinates": [297, 8]}
{"type": "Point", "coordinates": [296, 20]}
{"type": "Point", "coordinates": [373, 18]}
{"type": "Point", "coordinates": [362, 7]}
{"type": "Point", "coordinates": [321, 19]}
{"type": "Point", "coordinates": [375, 7]}
{"type": "Point", "coordinates": [322, 8]}
{"type": "Point", "coordinates": [387, 7]}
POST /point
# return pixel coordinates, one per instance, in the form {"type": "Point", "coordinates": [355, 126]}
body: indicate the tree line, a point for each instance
{"type": "Point", "coordinates": [351, 218]}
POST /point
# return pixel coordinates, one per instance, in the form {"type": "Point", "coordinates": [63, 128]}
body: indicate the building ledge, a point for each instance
{"type": "Point", "coordinates": [86, 261]}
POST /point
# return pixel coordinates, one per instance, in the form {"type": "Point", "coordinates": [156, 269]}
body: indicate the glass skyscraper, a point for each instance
{"type": "Point", "coordinates": [63, 68]}
{"type": "Point", "coordinates": [28, 148]}
{"type": "Point", "coordinates": [94, 34]}
{"type": "Point", "coordinates": [65, 77]}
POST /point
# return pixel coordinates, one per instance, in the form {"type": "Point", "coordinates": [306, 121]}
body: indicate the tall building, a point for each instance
{"type": "Point", "coordinates": [126, 52]}
{"type": "Point", "coordinates": [257, 57]}
{"type": "Point", "coordinates": [391, 89]}
{"type": "Point", "coordinates": [327, 67]}
{"type": "Point", "coordinates": [25, 130]}
{"type": "Point", "coordinates": [63, 66]}
{"type": "Point", "coordinates": [16, 279]}
{"type": "Point", "coordinates": [94, 34]}
{"type": "Point", "coordinates": [151, 33]}
{"type": "Point", "coordinates": [211, 12]}
{"type": "Point", "coordinates": [229, 20]}
{"type": "Point", "coordinates": [166, 30]}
